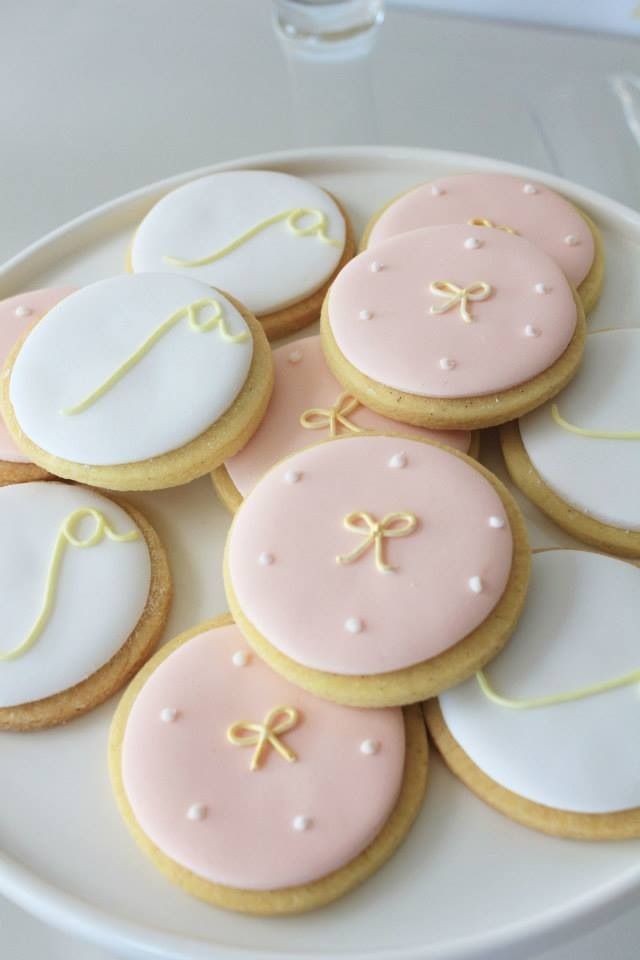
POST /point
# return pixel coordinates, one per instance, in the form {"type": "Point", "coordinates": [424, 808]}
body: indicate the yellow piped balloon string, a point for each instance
{"type": "Point", "coordinates": [66, 536]}
{"type": "Point", "coordinates": [332, 418]}
{"type": "Point", "coordinates": [375, 532]}
{"type": "Point", "coordinates": [197, 322]}
{"type": "Point", "coordinates": [483, 222]}
{"type": "Point", "coordinates": [530, 703]}
{"type": "Point", "coordinates": [476, 291]}
{"type": "Point", "coordinates": [319, 228]}
{"type": "Point", "coordinates": [278, 721]}
{"type": "Point", "coordinates": [595, 434]}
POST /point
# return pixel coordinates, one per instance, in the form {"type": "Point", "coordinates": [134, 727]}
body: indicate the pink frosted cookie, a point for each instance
{"type": "Point", "coordinates": [251, 793]}
{"type": "Point", "coordinates": [307, 405]}
{"type": "Point", "coordinates": [17, 314]}
{"type": "Point", "coordinates": [377, 570]}
{"type": "Point", "coordinates": [514, 204]}
{"type": "Point", "coordinates": [453, 327]}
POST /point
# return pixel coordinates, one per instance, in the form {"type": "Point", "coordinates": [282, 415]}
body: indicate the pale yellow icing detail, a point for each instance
{"type": "Point", "coordinates": [332, 418]}
{"type": "Point", "coordinates": [292, 217]}
{"type": "Point", "coordinates": [483, 222]}
{"type": "Point", "coordinates": [476, 291]}
{"type": "Point", "coordinates": [596, 434]}
{"type": "Point", "coordinates": [375, 532]}
{"type": "Point", "coordinates": [67, 536]}
{"type": "Point", "coordinates": [530, 703]}
{"type": "Point", "coordinates": [191, 311]}
{"type": "Point", "coordinates": [278, 721]}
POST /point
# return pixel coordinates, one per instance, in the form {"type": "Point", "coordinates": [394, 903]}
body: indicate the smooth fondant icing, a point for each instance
{"type": "Point", "coordinates": [579, 627]}
{"type": "Point", "coordinates": [187, 379]}
{"type": "Point", "coordinates": [352, 618]}
{"type": "Point", "coordinates": [533, 211]}
{"type": "Point", "coordinates": [274, 266]}
{"type": "Point", "coordinates": [599, 476]}
{"type": "Point", "coordinates": [283, 823]}
{"type": "Point", "coordinates": [484, 341]}
{"type": "Point", "coordinates": [307, 385]}
{"type": "Point", "coordinates": [16, 316]}
{"type": "Point", "coordinates": [100, 593]}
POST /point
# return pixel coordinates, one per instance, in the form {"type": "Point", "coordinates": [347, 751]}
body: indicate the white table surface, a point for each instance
{"type": "Point", "coordinates": [99, 97]}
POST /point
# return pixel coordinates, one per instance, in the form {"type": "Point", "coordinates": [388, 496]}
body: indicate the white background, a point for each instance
{"type": "Point", "coordinates": [100, 96]}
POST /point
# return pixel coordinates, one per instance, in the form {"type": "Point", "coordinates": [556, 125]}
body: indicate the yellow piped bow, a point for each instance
{"type": "Point", "coordinates": [332, 418]}
{"type": "Point", "coordinates": [476, 291]}
{"type": "Point", "coordinates": [278, 721]}
{"type": "Point", "coordinates": [484, 222]}
{"type": "Point", "coordinates": [375, 532]}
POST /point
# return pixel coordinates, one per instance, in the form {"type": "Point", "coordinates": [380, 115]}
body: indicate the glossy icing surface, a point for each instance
{"type": "Point", "coordinates": [348, 617]}
{"type": "Point", "coordinates": [99, 596]}
{"type": "Point", "coordinates": [16, 315]}
{"type": "Point", "coordinates": [188, 378]}
{"type": "Point", "coordinates": [539, 215]}
{"type": "Point", "coordinates": [303, 383]}
{"type": "Point", "coordinates": [599, 476]}
{"type": "Point", "coordinates": [579, 627]}
{"type": "Point", "coordinates": [282, 824]}
{"type": "Point", "coordinates": [418, 340]}
{"type": "Point", "coordinates": [268, 271]}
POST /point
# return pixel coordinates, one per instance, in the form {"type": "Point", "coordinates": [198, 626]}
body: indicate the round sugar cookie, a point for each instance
{"type": "Point", "coordinates": [516, 205]}
{"type": "Point", "coordinates": [273, 240]}
{"type": "Point", "coordinates": [465, 327]}
{"type": "Point", "coordinates": [308, 405]}
{"type": "Point", "coordinates": [544, 734]}
{"type": "Point", "coordinates": [377, 570]}
{"type": "Point", "coordinates": [17, 315]}
{"type": "Point", "coordinates": [138, 383]}
{"type": "Point", "coordinates": [578, 458]}
{"type": "Point", "coordinates": [86, 593]}
{"type": "Point", "coordinates": [252, 794]}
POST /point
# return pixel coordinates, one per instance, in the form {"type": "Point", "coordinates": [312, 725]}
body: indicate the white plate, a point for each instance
{"type": "Point", "coordinates": [468, 882]}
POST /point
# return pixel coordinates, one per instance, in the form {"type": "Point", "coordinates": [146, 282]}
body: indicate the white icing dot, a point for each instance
{"type": "Point", "coordinates": [23, 311]}
{"type": "Point", "coordinates": [398, 461]}
{"type": "Point", "coordinates": [293, 476]}
{"type": "Point", "coordinates": [240, 658]}
{"type": "Point", "coordinates": [266, 559]}
{"type": "Point", "coordinates": [529, 189]}
{"type": "Point", "coordinates": [369, 747]}
{"type": "Point", "coordinates": [168, 714]}
{"type": "Point", "coordinates": [437, 191]}
{"type": "Point", "coordinates": [375, 267]}
{"type": "Point", "coordinates": [354, 625]}
{"type": "Point", "coordinates": [496, 522]}
{"type": "Point", "coordinates": [542, 288]}
{"type": "Point", "coordinates": [365, 314]}
{"type": "Point", "coordinates": [446, 363]}
{"type": "Point", "coordinates": [571, 240]}
{"type": "Point", "coordinates": [475, 584]}
{"type": "Point", "coordinates": [197, 811]}
{"type": "Point", "coordinates": [295, 356]}
{"type": "Point", "coordinates": [531, 331]}
{"type": "Point", "coordinates": [472, 243]}
{"type": "Point", "coordinates": [301, 823]}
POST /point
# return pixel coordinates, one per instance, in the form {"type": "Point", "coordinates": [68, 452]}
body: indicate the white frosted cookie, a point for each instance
{"type": "Point", "coordinates": [86, 592]}
{"type": "Point", "coordinates": [543, 733]}
{"type": "Point", "coordinates": [272, 240]}
{"type": "Point", "coordinates": [578, 457]}
{"type": "Point", "coordinates": [138, 382]}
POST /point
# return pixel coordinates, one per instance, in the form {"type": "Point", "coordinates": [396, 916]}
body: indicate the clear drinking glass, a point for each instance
{"type": "Point", "coordinates": [321, 24]}
{"type": "Point", "coordinates": [327, 45]}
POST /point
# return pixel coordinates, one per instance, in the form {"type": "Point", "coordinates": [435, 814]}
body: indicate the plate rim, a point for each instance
{"type": "Point", "coordinates": [82, 919]}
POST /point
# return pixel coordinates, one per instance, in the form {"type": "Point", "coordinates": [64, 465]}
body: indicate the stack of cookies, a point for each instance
{"type": "Point", "coordinates": [379, 578]}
